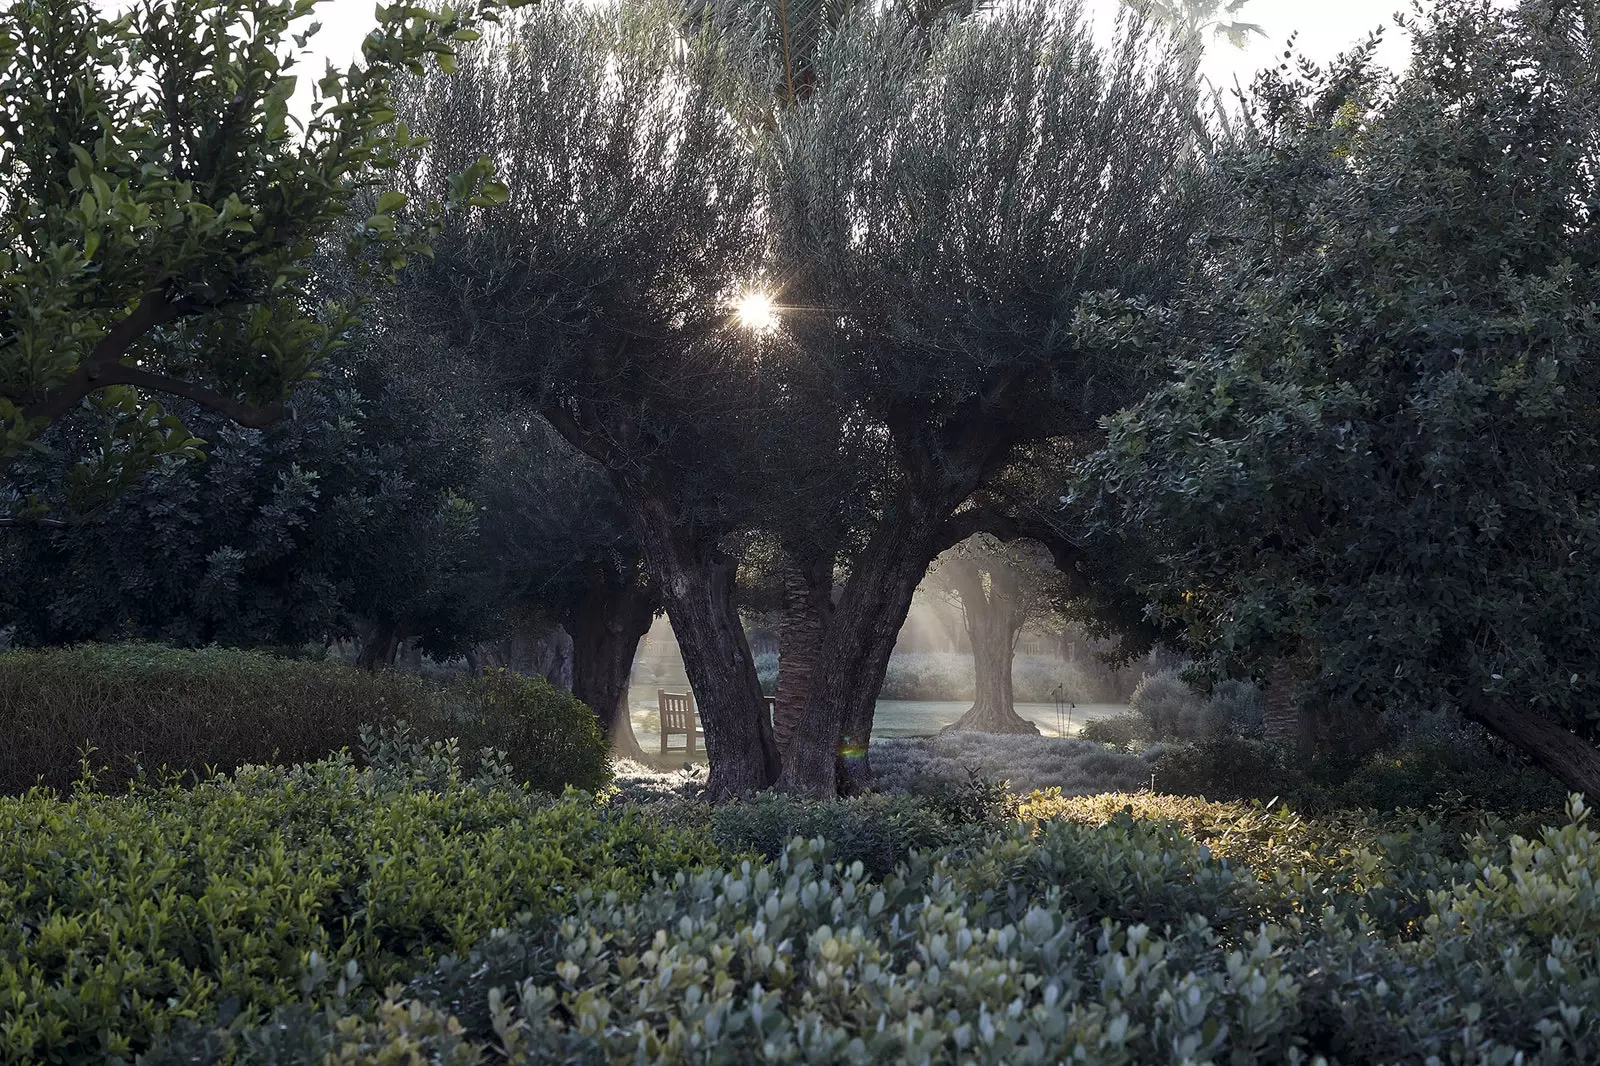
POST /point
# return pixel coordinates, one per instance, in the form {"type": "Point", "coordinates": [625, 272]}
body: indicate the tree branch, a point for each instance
{"type": "Point", "coordinates": [244, 414]}
{"type": "Point", "coordinates": [985, 518]}
{"type": "Point", "coordinates": [154, 310]}
{"type": "Point", "coordinates": [29, 523]}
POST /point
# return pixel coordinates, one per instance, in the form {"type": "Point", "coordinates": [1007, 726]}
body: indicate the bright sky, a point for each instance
{"type": "Point", "coordinates": [1325, 27]}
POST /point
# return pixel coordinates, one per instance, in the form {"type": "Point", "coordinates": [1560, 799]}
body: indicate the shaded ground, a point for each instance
{"type": "Point", "coordinates": [915, 764]}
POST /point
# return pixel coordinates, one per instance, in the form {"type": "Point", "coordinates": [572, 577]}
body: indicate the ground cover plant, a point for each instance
{"type": "Point", "coordinates": [1121, 929]}
{"type": "Point", "coordinates": [1027, 763]}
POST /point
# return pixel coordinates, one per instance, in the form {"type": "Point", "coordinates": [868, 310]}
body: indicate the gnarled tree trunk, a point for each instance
{"type": "Point", "coordinates": [994, 615]}
{"type": "Point", "coordinates": [606, 629]}
{"type": "Point", "coordinates": [807, 604]}
{"type": "Point", "coordinates": [829, 756]}
{"type": "Point", "coordinates": [696, 580]}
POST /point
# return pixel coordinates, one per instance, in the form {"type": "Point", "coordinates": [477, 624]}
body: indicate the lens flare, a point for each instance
{"type": "Point", "coordinates": [756, 312]}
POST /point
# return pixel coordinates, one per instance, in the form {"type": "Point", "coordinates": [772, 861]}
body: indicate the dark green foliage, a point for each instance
{"type": "Point", "coordinates": [348, 518]}
{"type": "Point", "coordinates": [119, 916]}
{"type": "Point", "coordinates": [1419, 771]}
{"type": "Point", "coordinates": [550, 739]}
{"type": "Point", "coordinates": [1379, 454]}
{"type": "Point", "coordinates": [151, 712]}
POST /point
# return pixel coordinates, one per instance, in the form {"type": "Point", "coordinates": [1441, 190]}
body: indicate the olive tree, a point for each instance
{"type": "Point", "coordinates": [601, 295]}
{"type": "Point", "coordinates": [555, 540]}
{"type": "Point", "coordinates": [946, 219]}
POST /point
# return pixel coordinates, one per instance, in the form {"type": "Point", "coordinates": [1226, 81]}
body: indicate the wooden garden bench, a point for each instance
{"type": "Point", "coordinates": [679, 718]}
{"type": "Point", "coordinates": [678, 711]}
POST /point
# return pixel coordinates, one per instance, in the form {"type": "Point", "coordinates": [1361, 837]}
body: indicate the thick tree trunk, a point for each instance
{"type": "Point", "coordinates": [807, 604]}
{"type": "Point", "coordinates": [1566, 756]}
{"type": "Point", "coordinates": [379, 643]}
{"type": "Point", "coordinates": [829, 756]}
{"type": "Point", "coordinates": [696, 580]}
{"type": "Point", "coordinates": [606, 629]}
{"type": "Point", "coordinates": [994, 618]}
{"type": "Point", "coordinates": [1281, 723]}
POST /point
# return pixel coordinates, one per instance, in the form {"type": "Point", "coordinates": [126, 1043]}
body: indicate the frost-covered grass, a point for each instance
{"type": "Point", "coordinates": [1076, 767]}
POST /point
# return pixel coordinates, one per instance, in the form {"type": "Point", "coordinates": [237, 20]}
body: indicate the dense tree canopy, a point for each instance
{"type": "Point", "coordinates": [349, 519]}
{"type": "Point", "coordinates": [1379, 461]}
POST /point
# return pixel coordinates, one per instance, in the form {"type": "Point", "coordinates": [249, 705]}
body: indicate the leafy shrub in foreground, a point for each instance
{"type": "Point", "coordinates": [1076, 944]}
{"type": "Point", "coordinates": [121, 915]}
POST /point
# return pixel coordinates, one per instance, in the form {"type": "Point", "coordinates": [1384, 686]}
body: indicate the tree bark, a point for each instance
{"type": "Point", "coordinates": [994, 616]}
{"type": "Point", "coordinates": [607, 626]}
{"type": "Point", "coordinates": [697, 580]}
{"type": "Point", "coordinates": [379, 642]}
{"type": "Point", "coordinates": [829, 756]}
{"type": "Point", "coordinates": [1280, 721]}
{"type": "Point", "coordinates": [807, 604]}
{"type": "Point", "coordinates": [1566, 756]}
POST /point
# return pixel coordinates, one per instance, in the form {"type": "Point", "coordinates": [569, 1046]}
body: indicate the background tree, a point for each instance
{"type": "Point", "coordinates": [556, 542]}
{"type": "Point", "coordinates": [160, 214]}
{"type": "Point", "coordinates": [1000, 586]}
{"type": "Point", "coordinates": [1377, 460]}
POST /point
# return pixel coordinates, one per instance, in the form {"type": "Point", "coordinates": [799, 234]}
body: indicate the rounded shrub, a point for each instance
{"type": "Point", "coordinates": [1120, 731]}
{"type": "Point", "coordinates": [550, 738]}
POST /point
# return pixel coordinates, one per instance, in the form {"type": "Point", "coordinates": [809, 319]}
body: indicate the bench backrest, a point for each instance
{"type": "Point", "coordinates": [677, 712]}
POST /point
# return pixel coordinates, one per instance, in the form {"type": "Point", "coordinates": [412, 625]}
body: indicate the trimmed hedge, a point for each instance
{"type": "Point", "coordinates": [149, 711]}
{"type": "Point", "coordinates": [123, 916]}
{"type": "Point", "coordinates": [140, 707]}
